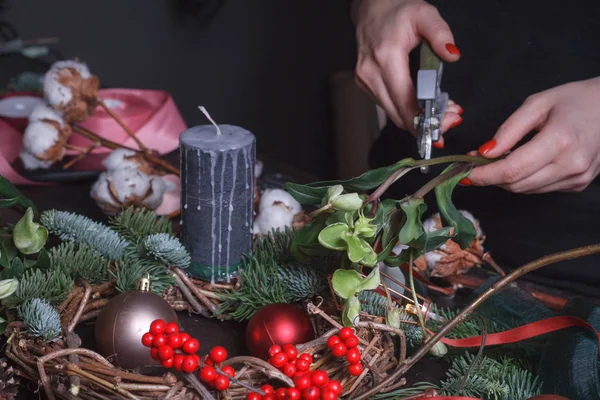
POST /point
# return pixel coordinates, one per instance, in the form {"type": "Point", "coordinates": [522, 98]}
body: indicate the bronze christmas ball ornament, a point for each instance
{"type": "Point", "coordinates": [124, 320]}
{"type": "Point", "coordinates": [280, 324]}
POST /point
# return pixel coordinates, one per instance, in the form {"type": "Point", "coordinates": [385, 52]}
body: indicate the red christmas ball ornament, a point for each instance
{"type": "Point", "coordinates": [277, 324]}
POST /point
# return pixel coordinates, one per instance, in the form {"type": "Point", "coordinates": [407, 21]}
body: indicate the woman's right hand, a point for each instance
{"type": "Point", "coordinates": [386, 32]}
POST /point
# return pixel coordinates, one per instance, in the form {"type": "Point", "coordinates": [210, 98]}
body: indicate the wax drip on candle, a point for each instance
{"type": "Point", "coordinates": [213, 161]}
{"type": "Point", "coordinates": [245, 153]}
{"type": "Point", "coordinates": [234, 159]}
{"type": "Point", "coordinates": [210, 119]}
{"type": "Point", "coordinates": [199, 180]}
{"type": "Point", "coordinates": [221, 209]}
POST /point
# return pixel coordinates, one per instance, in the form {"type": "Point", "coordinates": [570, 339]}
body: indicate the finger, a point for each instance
{"type": "Point", "coordinates": [573, 183]}
{"type": "Point", "coordinates": [521, 163]}
{"type": "Point", "coordinates": [531, 115]}
{"type": "Point", "coordinates": [435, 30]}
{"type": "Point", "coordinates": [454, 108]}
{"type": "Point", "coordinates": [549, 175]}
{"type": "Point", "coordinates": [451, 120]}
{"type": "Point", "coordinates": [369, 79]}
{"type": "Point", "coordinates": [396, 77]}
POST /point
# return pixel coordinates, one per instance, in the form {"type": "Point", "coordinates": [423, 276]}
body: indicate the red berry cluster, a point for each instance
{"type": "Point", "coordinates": [176, 349]}
{"type": "Point", "coordinates": [308, 385]}
{"type": "Point", "coordinates": [345, 344]}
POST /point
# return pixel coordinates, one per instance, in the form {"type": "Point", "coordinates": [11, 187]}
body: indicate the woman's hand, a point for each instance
{"type": "Point", "coordinates": [565, 153]}
{"type": "Point", "coordinates": [386, 31]}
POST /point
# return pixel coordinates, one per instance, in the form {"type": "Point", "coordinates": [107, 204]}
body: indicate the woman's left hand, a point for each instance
{"type": "Point", "coordinates": [565, 153]}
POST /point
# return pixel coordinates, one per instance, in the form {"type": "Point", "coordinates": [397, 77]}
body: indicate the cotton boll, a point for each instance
{"type": "Point", "coordinates": [276, 196]}
{"type": "Point", "coordinates": [31, 162]}
{"type": "Point", "coordinates": [399, 248]}
{"type": "Point", "coordinates": [39, 137]}
{"type": "Point", "coordinates": [43, 112]}
{"type": "Point", "coordinates": [159, 188]}
{"type": "Point", "coordinates": [432, 258]}
{"type": "Point", "coordinates": [120, 159]}
{"type": "Point", "coordinates": [475, 222]}
{"type": "Point", "coordinates": [129, 184]}
{"type": "Point", "coordinates": [56, 92]}
{"type": "Point", "coordinates": [272, 218]}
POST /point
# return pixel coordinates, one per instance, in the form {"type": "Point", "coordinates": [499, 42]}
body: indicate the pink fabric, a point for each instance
{"type": "Point", "coordinates": [151, 114]}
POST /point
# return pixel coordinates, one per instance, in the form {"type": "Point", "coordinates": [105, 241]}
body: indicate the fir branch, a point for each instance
{"type": "Point", "coordinates": [132, 268]}
{"type": "Point", "coordinates": [79, 229]}
{"type": "Point", "coordinates": [490, 379]}
{"type": "Point", "coordinates": [468, 328]}
{"type": "Point", "coordinates": [167, 249]}
{"type": "Point", "coordinates": [275, 246]}
{"type": "Point", "coordinates": [42, 319]}
{"type": "Point", "coordinates": [259, 286]}
{"type": "Point", "coordinates": [413, 390]}
{"type": "Point", "coordinates": [81, 262]}
{"type": "Point", "coordinates": [300, 281]}
{"type": "Point", "coordinates": [51, 285]}
{"type": "Point", "coordinates": [134, 224]}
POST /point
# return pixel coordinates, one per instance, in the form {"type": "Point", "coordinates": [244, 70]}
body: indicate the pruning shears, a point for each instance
{"type": "Point", "coordinates": [432, 101]}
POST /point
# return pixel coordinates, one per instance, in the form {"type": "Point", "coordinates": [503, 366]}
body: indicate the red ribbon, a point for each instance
{"type": "Point", "coordinates": [524, 332]}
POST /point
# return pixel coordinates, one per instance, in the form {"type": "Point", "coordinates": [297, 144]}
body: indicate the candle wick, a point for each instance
{"type": "Point", "coordinates": [210, 119]}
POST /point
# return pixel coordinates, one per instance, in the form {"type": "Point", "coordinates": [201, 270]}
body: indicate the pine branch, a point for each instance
{"type": "Point", "coordinates": [51, 285]}
{"type": "Point", "coordinates": [300, 281]}
{"type": "Point", "coordinates": [132, 268]}
{"type": "Point", "coordinates": [167, 249]}
{"type": "Point", "coordinates": [81, 262]}
{"type": "Point", "coordinates": [42, 319]}
{"type": "Point", "coordinates": [134, 224]}
{"type": "Point", "coordinates": [79, 229]}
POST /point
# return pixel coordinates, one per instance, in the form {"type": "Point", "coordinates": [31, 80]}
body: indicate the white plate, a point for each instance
{"type": "Point", "coordinates": [18, 106]}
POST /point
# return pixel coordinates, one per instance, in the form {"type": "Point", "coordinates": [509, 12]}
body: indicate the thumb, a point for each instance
{"type": "Point", "coordinates": [435, 30]}
{"type": "Point", "coordinates": [528, 117]}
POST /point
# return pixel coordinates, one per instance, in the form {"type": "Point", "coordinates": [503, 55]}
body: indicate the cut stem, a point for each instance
{"type": "Point", "coordinates": [122, 125]}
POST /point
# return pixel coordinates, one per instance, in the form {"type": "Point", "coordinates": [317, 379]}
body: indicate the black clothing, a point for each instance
{"type": "Point", "coordinates": [510, 50]}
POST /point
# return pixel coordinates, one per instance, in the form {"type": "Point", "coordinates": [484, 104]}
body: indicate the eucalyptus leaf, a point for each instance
{"type": "Point", "coordinates": [358, 248]}
{"type": "Point", "coordinates": [29, 237]}
{"type": "Point", "coordinates": [340, 217]}
{"type": "Point", "coordinates": [346, 282]}
{"type": "Point", "coordinates": [412, 233]}
{"type": "Point", "coordinates": [332, 193]}
{"type": "Point", "coordinates": [391, 229]}
{"type": "Point", "coordinates": [42, 261]}
{"type": "Point", "coordinates": [9, 191]}
{"type": "Point", "coordinates": [371, 282]}
{"type": "Point", "coordinates": [5, 203]}
{"type": "Point", "coordinates": [8, 251]}
{"type": "Point", "coordinates": [351, 311]}
{"type": "Point", "coordinates": [305, 194]}
{"type": "Point", "coordinates": [347, 202]}
{"type": "Point", "coordinates": [464, 230]}
{"type": "Point", "coordinates": [8, 287]}
{"type": "Point", "coordinates": [437, 238]}
{"type": "Point", "coordinates": [331, 236]}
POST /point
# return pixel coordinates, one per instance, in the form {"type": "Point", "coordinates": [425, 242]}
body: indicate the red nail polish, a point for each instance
{"type": "Point", "coordinates": [460, 110]}
{"type": "Point", "coordinates": [487, 146]}
{"type": "Point", "coordinates": [452, 49]}
{"type": "Point", "coordinates": [456, 123]}
{"type": "Point", "coordinates": [465, 182]}
{"type": "Point", "coordinates": [438, 145]}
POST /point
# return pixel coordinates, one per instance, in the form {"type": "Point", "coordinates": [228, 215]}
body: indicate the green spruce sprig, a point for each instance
{"type": "Point", "coordinates": [166, 249]}
{"type": "Point", "coordinates": [41, 318]}
{"type": "Point", "coordinates": [135, 224]}
{"type": "Point", "coordinates": [132, 268]}
{"type": "Point", "coordinates": [79, 229]}
{"type": "Point", "coordinates": [80, 262]}
{"type": "Point", "coordinates": [50, 285]}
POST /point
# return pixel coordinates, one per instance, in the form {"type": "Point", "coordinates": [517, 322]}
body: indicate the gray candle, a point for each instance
{"type": "Point", "coordinates": [217, 187]}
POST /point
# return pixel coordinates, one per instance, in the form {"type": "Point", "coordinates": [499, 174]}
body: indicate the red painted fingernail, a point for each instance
{"type": "Point", "coordinates": [487, 146]}
{"type": "Point", "coordinates": [452, 49]}
{"type": "Point", "coordinates": [460, 110]}
{"type": "Point", "coordinates": [456, 123]}
{"type": "Point", "coordinates": [438, 145]}
{"type": "Point", "coordinates": [465, 182]}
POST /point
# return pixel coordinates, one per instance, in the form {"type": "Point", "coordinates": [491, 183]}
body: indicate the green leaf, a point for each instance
{"type": "Point", "coordinates": [351, 311]}
{"type": "Point", "coordinates": [370, 259]}
{"type": "Point", "coordinates": [391, 229]}
{"type": "Point", "coordinates": [341, 217]}
{"type": "Point", "coordinates": [412, 233]}
{"type": "Point", "coordinates": [357, 247]}
{"type": "Point", "coordinates": [3, 324]}
{"type": "Point", "coordinates": [8, 251]}
{"type": "Point", "coordinates": [8, 287]}
{"type": "Point", "coordinates": [9, 191]}
{"type": "Point", "coordinates": [331, 236]}
{"type": "Point", "coordinates": [347, 202]}
{"type": "Point", "coordinates": [42, 261]}
{"type": "Point", "coordinates": [28, 236]}
{"type": "Point", "coordinates": [437, 238]}
{"type": "Point", "coordinates": [346, 282]}
{"type": "Point", "coordinates": [332, 193]}
{"type": "Point", "coordinates": [464, 230]}
{"type": "Point", "coordinates": [313, 193]}
{"type": "Point", "coordinates": [306, 241]}
{"type": "Point", "coordinates": [392, 317]}
{"type": "Point", "coordinates": [371, 282]}
{"type": "Point", "coordinates": [5, 203]}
